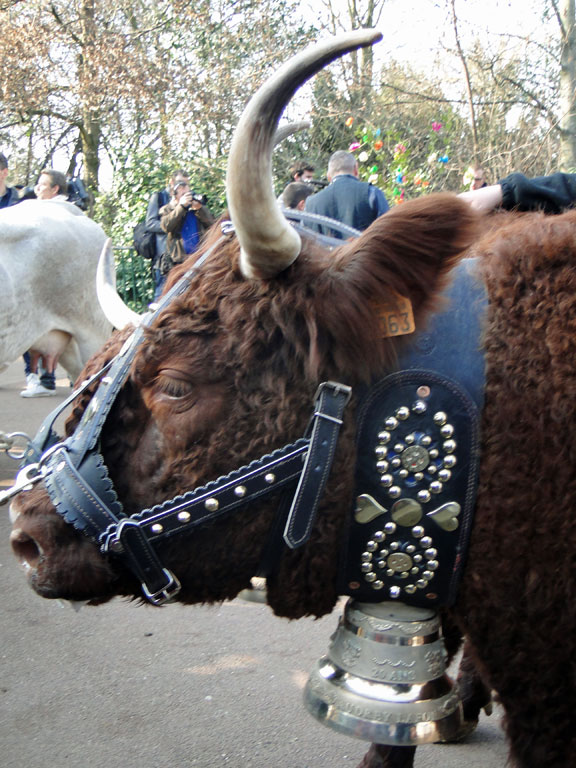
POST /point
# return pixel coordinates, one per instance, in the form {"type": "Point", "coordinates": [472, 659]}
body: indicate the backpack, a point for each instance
{"type": "Point", "coordinates": [77, 193]}
{"type": "Point", "coordinates": [144, 241]}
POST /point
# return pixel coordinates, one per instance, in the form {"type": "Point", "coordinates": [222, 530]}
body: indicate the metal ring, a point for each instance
{"type": "Point", "coordinates": [10, 449]}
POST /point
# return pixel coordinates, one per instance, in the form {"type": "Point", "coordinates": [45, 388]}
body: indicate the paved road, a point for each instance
{"type": "Point", "coordinates": [128, 686]}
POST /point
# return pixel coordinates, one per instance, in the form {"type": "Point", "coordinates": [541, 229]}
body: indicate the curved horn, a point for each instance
{"type": "Point", "coordinates": [287, 130]}
{"type": "Point", "coordinates": [116, 311]}
{"type": "Point", "coordinates": [268, 243]}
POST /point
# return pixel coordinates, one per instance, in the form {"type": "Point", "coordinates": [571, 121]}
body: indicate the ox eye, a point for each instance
{"type": "Point", "coordinates": [173, 383]}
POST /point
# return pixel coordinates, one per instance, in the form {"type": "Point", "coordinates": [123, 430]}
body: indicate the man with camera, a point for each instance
{"type": "Point", "coordinates": [184, 218]}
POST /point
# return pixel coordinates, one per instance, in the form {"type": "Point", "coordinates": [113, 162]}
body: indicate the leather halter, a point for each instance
{"type": "Point", "coordinates": [79, 486]}
{"type": "Point", "coordinates": [81, 490]}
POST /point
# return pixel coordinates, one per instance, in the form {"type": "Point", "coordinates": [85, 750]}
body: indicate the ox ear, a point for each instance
{"type": "Point", "coordinates": [408, 252]}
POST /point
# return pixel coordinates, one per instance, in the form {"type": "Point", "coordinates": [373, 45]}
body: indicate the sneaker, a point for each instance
{"type": "Point", "coordinates": [34, 388]}
{"type": "Point", "coordinates": [32, 380]}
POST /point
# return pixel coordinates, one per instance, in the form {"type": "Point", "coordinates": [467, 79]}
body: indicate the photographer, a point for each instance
{"type": "Point", "coordinates": [184, 219]}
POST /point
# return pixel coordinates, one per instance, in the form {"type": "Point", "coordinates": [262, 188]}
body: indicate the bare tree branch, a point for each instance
{"type": "Point", "coordinates": [467, 80]}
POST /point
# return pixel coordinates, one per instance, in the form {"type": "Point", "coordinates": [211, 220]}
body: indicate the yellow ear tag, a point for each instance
{"type": "Point", "coordinates": [397, 317]}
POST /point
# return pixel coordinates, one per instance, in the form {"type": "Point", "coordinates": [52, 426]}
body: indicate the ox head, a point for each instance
{"type": "Point", "coordinates": [227, 373]}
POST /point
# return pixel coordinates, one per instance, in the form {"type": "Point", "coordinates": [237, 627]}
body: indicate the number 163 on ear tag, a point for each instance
{"type": "Point", "coordinates": [396, 317]}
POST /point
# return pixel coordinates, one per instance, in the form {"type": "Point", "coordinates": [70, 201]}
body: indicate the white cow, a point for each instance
{"type": "Point", "coordinates": [48, 257]}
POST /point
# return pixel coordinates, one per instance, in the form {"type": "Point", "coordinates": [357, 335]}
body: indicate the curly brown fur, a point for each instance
{"type": "Point", "coordinates": [383, 756]}
{"type": "Point", "coordinates": [516, 601]}
{"type": "Point", "coordinates": [475, 694]}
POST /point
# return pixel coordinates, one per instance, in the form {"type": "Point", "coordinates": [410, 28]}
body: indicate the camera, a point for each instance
{"type": "Point", "coordinates": [197, 197]}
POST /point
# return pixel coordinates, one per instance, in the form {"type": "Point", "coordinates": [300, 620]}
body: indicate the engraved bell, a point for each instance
{"type": "Point", "coordinates": [384, 678]}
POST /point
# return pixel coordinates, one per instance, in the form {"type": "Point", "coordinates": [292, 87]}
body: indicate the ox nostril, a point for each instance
{"type": "Point", "coordinates": [25, 548]}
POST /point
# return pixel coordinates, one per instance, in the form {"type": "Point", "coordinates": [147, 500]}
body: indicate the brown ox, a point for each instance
{"type": "Point", "coordinates": [227, 373]}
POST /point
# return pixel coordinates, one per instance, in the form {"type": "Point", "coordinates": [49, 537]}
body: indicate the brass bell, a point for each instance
{"type": "Point", "coordinates": [384, 678]}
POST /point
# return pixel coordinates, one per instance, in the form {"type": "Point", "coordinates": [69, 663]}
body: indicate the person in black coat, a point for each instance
{"type": "Point", "coordinates": [346, 199]}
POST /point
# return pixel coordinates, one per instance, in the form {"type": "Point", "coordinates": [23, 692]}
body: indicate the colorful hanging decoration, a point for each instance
{"type": "Point", "coordinates": [399, 149]}
{"type": "Point", "coordinates": [363, 156]}
{"type": "Point", "coordinates": [373, 179]}
{"type": "Point", "coordinates": [353, 146]}
{"type": "Point", "coordinates": [378, 145]}
{"type": "Point", "coordinates": [349, 122]}
{"type": "Point", "coordinates": [436, 127]}
{"type": "Point", "coordinates": [377, 132]}
{"type": "Point", "coordinates": [444, 159]}
{"type": "Point", "coordinates": [374, 169]}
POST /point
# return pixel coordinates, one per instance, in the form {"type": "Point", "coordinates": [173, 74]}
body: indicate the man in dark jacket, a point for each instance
{"type": "Point", "coordinates": [346, 199]}
{"type": "Point", "coordinates": [8, 195]}
{"type": "Point", "coordinates": [185, 219]}
{"type": "Point", "coordinates": [157, 201]}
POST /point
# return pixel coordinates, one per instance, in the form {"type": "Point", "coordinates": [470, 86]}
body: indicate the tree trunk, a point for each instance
{"type": "Point", "coordinates": [90, 128]}
{"type": "Point", "coordinates": [567, 154]}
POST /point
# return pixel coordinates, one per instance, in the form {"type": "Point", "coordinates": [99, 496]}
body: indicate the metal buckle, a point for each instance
{"type": "Point", "coordinates": [25, 479]}
{"type": "Point", "coordinates": [165, 594]}
{"type": "Point", "coordinates": [338, 389]}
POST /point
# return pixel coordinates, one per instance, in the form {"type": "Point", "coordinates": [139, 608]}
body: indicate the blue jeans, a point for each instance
{"type": "Point", "coordinates": [47, 380]}
{"type": "Point", "coordinates": [159, 281]}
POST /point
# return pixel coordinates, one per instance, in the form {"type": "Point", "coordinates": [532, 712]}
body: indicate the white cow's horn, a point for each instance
{"type": "Point", "coordinates": [116, 311]}
{"type": "Point", "coordinates": [289, 129]}
{"type": "Point", "coordinates": [268, 243]}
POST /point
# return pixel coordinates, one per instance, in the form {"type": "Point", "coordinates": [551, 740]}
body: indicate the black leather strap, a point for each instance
{"type": "Point", "coordinates": [83, 495]}
{"type": "Point", "coordinates": [46, 437]}
{"type": "Point", "coordinates": [158, 583]}
{"type": "Point", "coordinates": [331, 399]}
{"type": "Point", "coordinates": [85, 498]}
{"type": "Point", "coordinates": [184, 513]}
